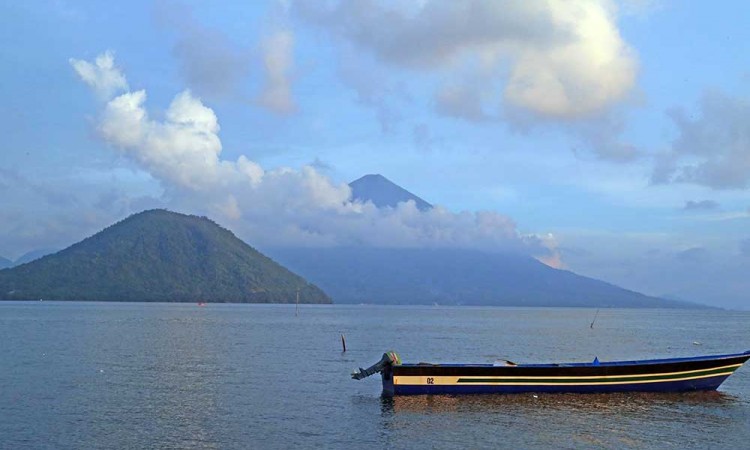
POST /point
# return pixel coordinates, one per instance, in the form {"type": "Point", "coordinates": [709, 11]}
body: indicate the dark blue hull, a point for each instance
{"type": "Point", "coordinates": [706, 384]}
{"type": "Point", "coordinates": [703, 373]}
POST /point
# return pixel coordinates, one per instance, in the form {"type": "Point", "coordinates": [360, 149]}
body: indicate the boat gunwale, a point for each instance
{"type": "Point", "coordinates": [624, 363]}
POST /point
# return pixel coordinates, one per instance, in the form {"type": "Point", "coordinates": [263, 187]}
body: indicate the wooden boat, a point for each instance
{"type": "Point", "coordinates": [701, 373]}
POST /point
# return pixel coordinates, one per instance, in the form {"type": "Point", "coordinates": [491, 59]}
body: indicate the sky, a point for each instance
{"type": "Point", "coordinates": [609, 138]}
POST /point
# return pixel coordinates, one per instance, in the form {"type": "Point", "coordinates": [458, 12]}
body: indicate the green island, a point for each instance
{"type": "Point", "coordinates": [159, 256]}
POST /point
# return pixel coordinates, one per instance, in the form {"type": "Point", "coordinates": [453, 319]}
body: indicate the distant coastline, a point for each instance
{"type": "Point", "coordinates": [162, 256]}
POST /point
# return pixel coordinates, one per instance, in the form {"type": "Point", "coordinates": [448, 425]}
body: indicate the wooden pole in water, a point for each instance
{"type": "Point", "coordinates": [343, 342]}
{"type": "Point", "coordinates": [296, 308]}
{"type": "Point", "coordinates": [592, 322]}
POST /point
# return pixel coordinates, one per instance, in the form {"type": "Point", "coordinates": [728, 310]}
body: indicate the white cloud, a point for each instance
{"type": "Point", "coordinates": [184, 149]}
{"type": "Point", "coordinates": [282, 206]}
{"type": "Point", "coordinates": [559, 59]}
{"type": "Point", "coordinates": [278, 62]}
{"type": "Point", "coordinates": [573, 78]}
{"type": "Point", "coordinates": [101, 75]}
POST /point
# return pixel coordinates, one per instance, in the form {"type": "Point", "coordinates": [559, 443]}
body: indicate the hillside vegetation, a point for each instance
{"type": "Point", "coordinates": [161, 256]}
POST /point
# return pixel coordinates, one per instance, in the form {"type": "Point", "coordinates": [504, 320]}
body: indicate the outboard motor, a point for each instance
{"type": "Point", "coordinates": [388, 359]}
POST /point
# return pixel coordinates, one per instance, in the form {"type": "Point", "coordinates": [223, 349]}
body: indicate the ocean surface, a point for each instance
{"type": "Point", "coordinates": [126, 375]}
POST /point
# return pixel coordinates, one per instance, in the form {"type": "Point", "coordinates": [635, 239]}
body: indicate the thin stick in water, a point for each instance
{"type": "Point", "coordinates": [592, 322]}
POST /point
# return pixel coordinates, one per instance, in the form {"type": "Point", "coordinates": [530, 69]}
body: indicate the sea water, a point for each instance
{"type": "Point", "coordinates": [140, 375]}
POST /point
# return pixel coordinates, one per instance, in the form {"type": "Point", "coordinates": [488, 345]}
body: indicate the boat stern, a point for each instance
{"type": "Point", "coordinates": [387, 376]}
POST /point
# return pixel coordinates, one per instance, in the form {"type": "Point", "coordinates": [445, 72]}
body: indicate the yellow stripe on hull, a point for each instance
{"type": "Point", "coordinates": [574, 380]}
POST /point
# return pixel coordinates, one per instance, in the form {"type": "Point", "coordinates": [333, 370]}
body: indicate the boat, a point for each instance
{"type": "Point", "coordinates": [699, 373]}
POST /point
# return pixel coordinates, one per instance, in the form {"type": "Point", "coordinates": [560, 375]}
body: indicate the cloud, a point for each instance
{"type": "Point", "coordinates": [66, 206]}
{"type": "Point", "coordinates": [556, 59]}
{"type": "Point", "coordinates": [211, 64]}
{"type": "Point", "coordinates": [101, 75]}
{"type": "Point", "coordinates": [216, 68]}
{"type": "Point", "coordinates": [278, 63]}
{"type": "Point", "coordinates": [13, 181]}
{"type": "Point", "coordinates": [283, 206]}
{"type": "Point", "coordinates": [703, 205]}
{"type": "Point", "coordinates": [461, 101]}
{"type": "Point", "coordinates": [602, 136]}
{"type": "Point", "coordinates": [183, 149]}
{"type": "Point", "coordinates": [374, 87]}
{"type": "Point", "coordinates": [321, 165]}
{"type": "Point", "coordinates": [712, 149]}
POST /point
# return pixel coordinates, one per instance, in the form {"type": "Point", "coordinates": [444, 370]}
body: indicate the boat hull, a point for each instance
{"type": "Point", "coordinates": [666, 375]}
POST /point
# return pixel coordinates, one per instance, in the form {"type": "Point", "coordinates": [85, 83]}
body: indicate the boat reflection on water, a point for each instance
{"type": "Point", "coordinates": [620, 420]}
{"type": "Point", "coordinates": [618, 403]}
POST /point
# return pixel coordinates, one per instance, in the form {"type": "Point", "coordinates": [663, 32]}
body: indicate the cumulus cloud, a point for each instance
{"type": "Point", "coordinates": [713, 148]}
{"type": "Point", "coordinates": [101, 75]}
{"type": "Point", "coordinates": [282, 206]}
{"type": "Point", "coordinates": [183, 149]}
{"type": "Point", "coordinates": [557, 59]}
{"type": "Point", "coordinates": [592, 70]}
{"type": "Point", "coordinates": [278, 63]}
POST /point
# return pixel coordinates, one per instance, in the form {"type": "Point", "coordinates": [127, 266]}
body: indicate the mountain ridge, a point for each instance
{"type": "Point", "coordinates": [349, 274]}
{"type": "Point", "coordinates": [159, 255]}
{"type": "Point", "coordinates": [33, 255]}
{"type": "Point", "coordinates": [455, 277]}
{"type": "Point", "coordinates": [382, 192]}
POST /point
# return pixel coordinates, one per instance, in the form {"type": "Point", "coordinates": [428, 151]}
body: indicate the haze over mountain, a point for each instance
{"type": "Point", "coordinates": [382, 192]}
{"type": "Point", "coordinates": [29, 256]}
{"type": "Point", "coordinates": [159, 255]}
{"type": "Point", "coordinates": [163, 256]}
{"type": "Point", "coordinates": [447, 275]}
{"type": "Point", "coordinates": [33, 255]}
{"type": "Point", "coordinates": [454, 277]}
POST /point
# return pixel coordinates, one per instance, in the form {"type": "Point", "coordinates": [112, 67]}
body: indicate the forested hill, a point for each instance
{"type": "Point", "coordinates": [161, 256]}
